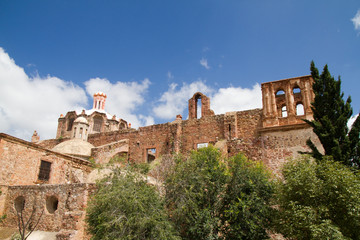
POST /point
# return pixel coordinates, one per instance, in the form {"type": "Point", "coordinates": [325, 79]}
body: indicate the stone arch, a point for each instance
{"type": "Point", "coordinates": [123, 155]}
{"type": "Point", "coordinates": [296, 90]}
{"type": "Point", "coordinates": [280, 92]}
{"type": "Point", "coordinates": [52, 203]}
{"type": "Point", "coordinates": [19, 203]}
{"type": "Point", "coordinates": [70, 123]}
{"type": "Point", "coordinates": [280, 98]}
{"type": "Point", "coordinates": [284, 112]}
{"type": "Point", "coordinates": [300, 110]}
{"type": "Point", "coordinates": [205, 106]}
{"type": "Point", "coordinates": [287, 92]}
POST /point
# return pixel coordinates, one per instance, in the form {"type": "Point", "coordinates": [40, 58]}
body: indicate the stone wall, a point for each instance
{"type": "Point", "coordinates": [61, 208]}
{"type": "Point", "coordinates": [104, 153]}
{"type": "Point", "coordinates": [242, 131]}
{"type": "Point", "coordinates": [20, 163]}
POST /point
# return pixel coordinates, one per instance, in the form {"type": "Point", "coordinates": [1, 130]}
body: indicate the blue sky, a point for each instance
{"type": "Point", "coordinates": [150, 57]}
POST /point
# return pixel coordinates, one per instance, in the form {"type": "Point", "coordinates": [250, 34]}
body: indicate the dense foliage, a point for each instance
{"type": "Point", "coordinates": [125, 206]}
{"type": "Point", "coordinates": [318, 200]}
{"type": "Point", "coordinates": [213, 198]}
{"type": "Point", "coordinates": [331, 115]}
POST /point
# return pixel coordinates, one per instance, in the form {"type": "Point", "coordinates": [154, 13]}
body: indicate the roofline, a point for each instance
{"type": "Point", "coordinates": [35, 146]}
{"type": "Point", "coordinates": [286, 79]}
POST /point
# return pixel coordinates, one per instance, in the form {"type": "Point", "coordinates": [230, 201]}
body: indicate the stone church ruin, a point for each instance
{"type": "Point", "coordinates": [58, 176]}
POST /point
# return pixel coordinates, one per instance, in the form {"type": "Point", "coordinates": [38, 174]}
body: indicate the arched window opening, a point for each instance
{"type": "Point", "coordinates": [70, 124]}
{"type": "Point", "coordinates": [97, 124]}
{"type": "Point", "coordinates": [80, 132]}
{"type": "Point", "coordinates": [300, 109]}
{"type": "Point", "coordinates": [52, 204]}
{"type": "Point", "coordinates": [284, 111]}
{"type": "Point", "coordinates": [198, 107]}
{"type": "Point", "coordinates": [122, 125]}
{"type": "Point", "coordinates": [75, 132]}
{"type": "Point", "coordinates": [280, 92]}
{"type": "Point", "coordinates": [19, 204]}
{"type": "Point", "coordinates": [296, 90]}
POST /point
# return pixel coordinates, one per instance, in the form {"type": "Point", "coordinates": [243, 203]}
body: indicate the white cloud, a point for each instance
{"type": "Point", "coordinates": [123, 98]}
{"type": "Point", "coordinates": [204, 63]}
{"type": "Point", "coordinates": [169, 75]}
{"type": "Point", "coordinates": [175, 100]}
{"type": "Point", "coordinates": [356, 20]}
{"type": "Point", "coordinates": [206, 49]}
{"type": "Point", "coordinates": [236, 99]}
{"type": "Point", "coordinates": [33, 103]}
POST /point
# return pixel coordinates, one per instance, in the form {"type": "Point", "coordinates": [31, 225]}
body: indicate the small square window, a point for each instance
{"type": "Point", "coordinates": [150, 154]}
{"type": "Point", "coordinates": [44, 172]}
{"type": "Point", "coordinates": [202, 145]}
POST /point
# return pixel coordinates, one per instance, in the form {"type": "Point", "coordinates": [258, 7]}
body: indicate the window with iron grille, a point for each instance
{"type": "Point", "coordinates": [44, 173]}
{"type": "Point", "coordinates": [97, 124]}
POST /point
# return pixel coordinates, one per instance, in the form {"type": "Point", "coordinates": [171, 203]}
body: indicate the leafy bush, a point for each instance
{"type": "Point", "coordinates": [318, 200]}
{"type": "Point", "coordinates": [125, 206]}
{"type": "Point", "coordinates": [213, 198]}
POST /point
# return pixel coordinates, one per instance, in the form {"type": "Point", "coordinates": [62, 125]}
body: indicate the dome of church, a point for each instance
{"type": "Point", "coordinates": [81, 120]}
{"type": "Point", "coordinates": [74, 147]}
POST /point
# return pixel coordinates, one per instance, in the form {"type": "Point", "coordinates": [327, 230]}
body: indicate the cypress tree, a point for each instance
{"type": "Point", "coordinates": [331, 115]}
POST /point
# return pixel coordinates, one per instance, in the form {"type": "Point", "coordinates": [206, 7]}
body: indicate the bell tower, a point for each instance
{"type": "Point", "coordinates": [99, 101]}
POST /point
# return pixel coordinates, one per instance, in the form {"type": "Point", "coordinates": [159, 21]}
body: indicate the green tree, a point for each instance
{"type": "Point", "coordinates": [331, 115]}
{"type": "Point", "coordinates": [318, 200]}
{"type": "Point", "coordinates": [125, 206]}
{"type": "Point", "coordinates": [213, 198]}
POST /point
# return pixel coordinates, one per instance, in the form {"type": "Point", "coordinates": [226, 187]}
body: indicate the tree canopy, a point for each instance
{"type": "Point", "coordinates": [318, 200]}
{"type": "Point", "coordinates": [213, 198]}
{"type": "Point", "coordinates": [125, 206]}
{"type": "Point", "coordinates": [331, 115]}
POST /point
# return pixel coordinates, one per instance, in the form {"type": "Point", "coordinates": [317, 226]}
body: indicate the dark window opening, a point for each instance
{"type": "Point", "coordinates": [229, 131]}
{"type": "Point", "coordinates": [19, 203]}
{"type": "Point", "coordinates": [70, 124]}
{"type": "Point", "coordinates": [97, 124]}
{"type": "Point", "coordinates": [44, 172]}
{"type": "Point", "coordinates": [151, 154]}
{"type": "Point", "coordinates": [52, 204]}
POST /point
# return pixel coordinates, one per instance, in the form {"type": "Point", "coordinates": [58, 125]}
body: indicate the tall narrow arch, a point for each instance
{"type": "Point", "coordinates": [284, 112]}
{"type": "Point", "coordinates": [199, 106]}
{"type": "Point", "coordinates": [70, 123]}
{"type": "Point", "coordinates": [300, 109]}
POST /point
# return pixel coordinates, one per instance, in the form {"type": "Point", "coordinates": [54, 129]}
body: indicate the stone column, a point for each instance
{"type": "Point", "coordinates": [273, 101]}
{"type": "Point", "coordinates": [289, 100]}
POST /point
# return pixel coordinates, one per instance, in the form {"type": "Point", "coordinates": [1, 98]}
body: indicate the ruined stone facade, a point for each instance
{"type": "Point", "coordinates": [98, 120]}
{"type": "Point", "coordinates": [271, 135]}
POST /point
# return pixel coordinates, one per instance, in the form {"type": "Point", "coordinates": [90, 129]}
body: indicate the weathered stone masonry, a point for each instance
{"type": "Point", "coordinates": [271, 135]}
